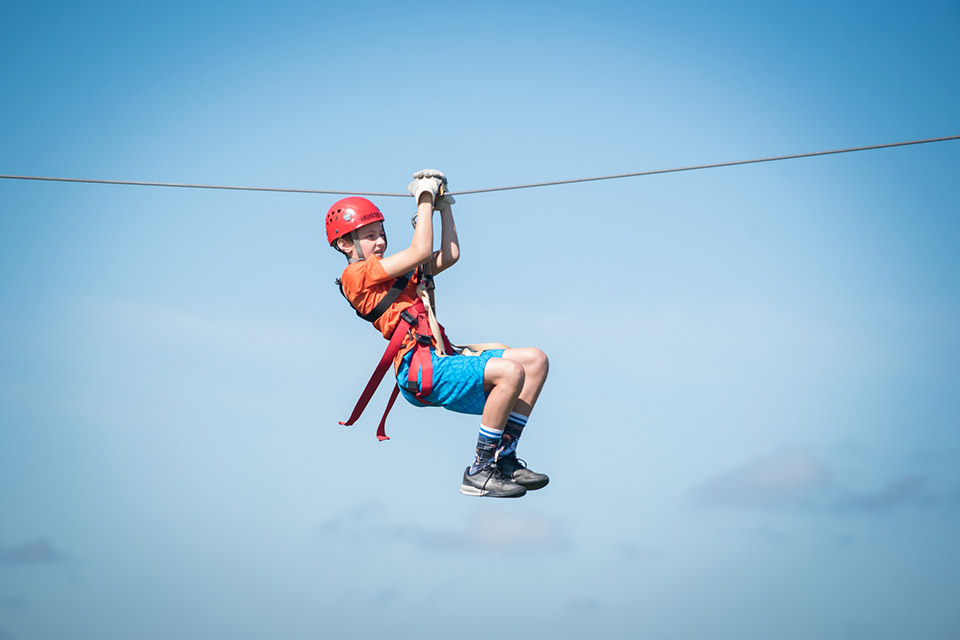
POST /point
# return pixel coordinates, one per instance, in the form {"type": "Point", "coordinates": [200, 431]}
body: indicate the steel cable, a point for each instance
{"type": "Point", "coordinates": [531, 185]}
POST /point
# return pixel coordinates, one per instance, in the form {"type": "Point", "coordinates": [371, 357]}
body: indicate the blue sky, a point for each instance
{"type": "Point", "coordinates": [751, 422]}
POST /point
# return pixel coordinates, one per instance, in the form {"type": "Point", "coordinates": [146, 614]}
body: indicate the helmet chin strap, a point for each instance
{"type": "Point", "coordinates": [357, 251]}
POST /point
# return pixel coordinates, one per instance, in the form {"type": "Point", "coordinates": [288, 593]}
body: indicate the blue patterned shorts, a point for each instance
{"type": "Point", "coordinates": [457, 381]}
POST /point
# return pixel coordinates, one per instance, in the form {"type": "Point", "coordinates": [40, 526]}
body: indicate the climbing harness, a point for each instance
{"type": "Point", "coordinates": [415, 322]}
{"type": "Point", "coordinates": [392, 294]}
{"type": "Point", "coordinates": [419, 322]}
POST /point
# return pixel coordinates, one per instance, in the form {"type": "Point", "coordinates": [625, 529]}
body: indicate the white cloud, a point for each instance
{"type": "Point", "coordinates": [481, 531]}
{"type": "Point", "coordinates": [38, 551]}
{"type": "Point", "coordinates": [793, 478]}
{"type": "Point", "coordinates": [497, 531]}
{"type": "Point", "coordinates": [788, 477]}
{"type": "Point", "coordinates": [896, 493]}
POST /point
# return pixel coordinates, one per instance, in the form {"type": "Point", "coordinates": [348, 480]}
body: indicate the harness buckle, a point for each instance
{"type": "Point", "coordinates": [424, 340]}
{"type": "Point", "coordinates": [408, 317]}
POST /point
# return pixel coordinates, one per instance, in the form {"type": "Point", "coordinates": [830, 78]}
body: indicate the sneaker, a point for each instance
{"type": "Point", "coordinates": [516, 470]}
{"type": "Point", "coordinates": [489, 482]}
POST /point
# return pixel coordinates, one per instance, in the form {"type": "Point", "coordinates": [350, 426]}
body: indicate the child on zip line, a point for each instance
{"type": "Point", "coordinates": [395, 293]}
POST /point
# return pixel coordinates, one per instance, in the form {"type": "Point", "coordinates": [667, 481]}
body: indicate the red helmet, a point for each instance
{"type": "Point", "coordinates": [349, 215]}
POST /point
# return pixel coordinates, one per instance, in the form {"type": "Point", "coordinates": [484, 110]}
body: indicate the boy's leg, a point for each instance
{"type": "Point", "coordinates": [535, 366]}
{"type": "Point", "coordinates": [503, 380]}
{"type": "Point", "coordinates": [486, 385]}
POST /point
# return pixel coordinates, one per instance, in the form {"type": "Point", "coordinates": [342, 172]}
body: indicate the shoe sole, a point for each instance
{"type": "Point", "coordinates": [469, 490]}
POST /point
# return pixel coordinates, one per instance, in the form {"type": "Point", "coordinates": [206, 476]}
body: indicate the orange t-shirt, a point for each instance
{"type": "Point", "coordinates": [365, 283]}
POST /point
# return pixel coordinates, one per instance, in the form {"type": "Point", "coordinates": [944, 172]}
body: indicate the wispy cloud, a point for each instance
{"type": "Point", "coordinates": [482, 531]}
{"type": "Point", "coordinates": [786, 478]}
{"type": "Point", "coordinates": [361, 523]}
{"type": "Point", "coordinates": [583, 604]}
{"type": "Point", "coordinates": [632, 551]}
{"type": "Point", "coordinates": [387, 596]}
{"type": "Point", "coordinates": [520, 531]}
{"type": "Point", "coordinates": [39, 551]}
{"type": "Point", "coordinates": [896, 493]}
{"type": "Point", "coordinates": [796, 479]}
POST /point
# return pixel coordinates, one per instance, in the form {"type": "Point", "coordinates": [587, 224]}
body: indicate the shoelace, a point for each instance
{"type": "Point", "coordinates": [495, 473]}
{"type": "Point", "coordinates": [521, 463]}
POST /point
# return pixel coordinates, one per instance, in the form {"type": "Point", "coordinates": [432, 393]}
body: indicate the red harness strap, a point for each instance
{"type": "Point", "coordinates": [413, 317]}
{"type": "Point", "coordinates": [407, 318]}
{"type": "Point", "coordinates": [421, 361]}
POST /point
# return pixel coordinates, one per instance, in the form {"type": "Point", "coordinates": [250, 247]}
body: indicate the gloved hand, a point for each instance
{"type": "Point", "coordinates": [426, 180]}
{"type": "Point", "coordinates": [431, 173]}
{"type": "Point", "coordinates": [444, 201]}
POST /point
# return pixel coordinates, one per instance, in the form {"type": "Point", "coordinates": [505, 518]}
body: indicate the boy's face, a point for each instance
{"type": "Point", "coordinates": [373, 240]}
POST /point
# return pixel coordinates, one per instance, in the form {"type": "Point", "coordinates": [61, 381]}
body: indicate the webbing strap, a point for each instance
{"type": "Point", "coordinates": [388, 299]}
{"type": "Point", "coordinates": [391, 296]}
{"type": "Point", "coordinates": [381, 428]}
{"type": "Point", "coordinates": [393, 348]}
{"type": "Point", "coordinates": [432, 319]}
{"type": "Point", "coordinates": [415, 316]}
{"type": "Point", "coordinates": [421, 362]}
{"type": "Point", "coordinates": [479, 348]}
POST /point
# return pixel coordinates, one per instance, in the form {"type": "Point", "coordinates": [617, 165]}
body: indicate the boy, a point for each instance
{"type": "Point", "coordinates": [392, 292]}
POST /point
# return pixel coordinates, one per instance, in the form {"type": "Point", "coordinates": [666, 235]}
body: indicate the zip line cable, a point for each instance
{"type": "Point", "coordinates": [137, 183]}
{"type": "Point", "coordinates": [489, 189]}
{"type": "Point", "coordinates": [709, 166]}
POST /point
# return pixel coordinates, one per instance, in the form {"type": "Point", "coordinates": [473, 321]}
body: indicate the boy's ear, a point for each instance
{"type": "Point", "coordinates": [344, 245]}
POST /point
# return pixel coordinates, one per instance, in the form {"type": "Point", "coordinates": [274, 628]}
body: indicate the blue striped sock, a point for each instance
{"type": "Point", "coordinates": [511, 434]}
{"type": "Point", "coordinates": [487, 442]}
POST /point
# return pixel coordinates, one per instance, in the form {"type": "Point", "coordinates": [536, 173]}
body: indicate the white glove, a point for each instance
{"type": "Point", "coordinates": [431, 173]}
{"type": "Point", "coordinates": [444, 201]}
{"type": "Point", "coordinates": [426, 180]}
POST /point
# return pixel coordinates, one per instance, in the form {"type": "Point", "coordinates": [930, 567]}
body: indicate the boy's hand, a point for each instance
{"type": "Point", "coordinates": [424, 185]}
{"type": "Point", "coordinates": [444, 201]}
{"type": "Point", "coordinates": [431, 173]}
{"type": "Point", "coordinates": [428, 180]}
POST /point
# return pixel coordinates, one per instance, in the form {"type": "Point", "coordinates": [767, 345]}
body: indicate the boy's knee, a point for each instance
{"type": "Point", "coordinates": [509, 373]}
{"type": "Point", "coordinates": [516, 373]}
{"type": "Point", "coordinates": [537, 364]}
{"type": "Point", "coordinates": [542, 361]}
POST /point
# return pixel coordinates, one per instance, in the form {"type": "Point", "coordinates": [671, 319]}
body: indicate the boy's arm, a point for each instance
{"type": "Point", "coordinates": [449, 251]}
{"type": "Point", "coordinates": [421, 247]}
